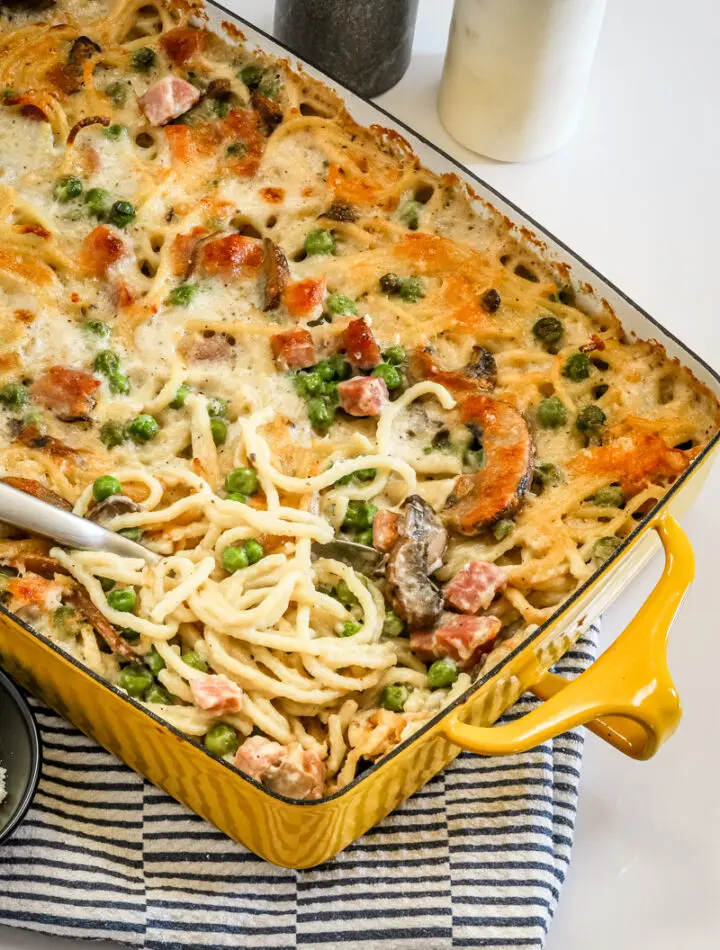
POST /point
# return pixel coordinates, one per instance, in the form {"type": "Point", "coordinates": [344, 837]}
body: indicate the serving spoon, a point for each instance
{"type": "Point", "coordinates": [35, 516]}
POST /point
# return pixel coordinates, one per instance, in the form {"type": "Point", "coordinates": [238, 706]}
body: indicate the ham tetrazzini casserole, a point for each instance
{"type": "Point", "coordinates": [374, 439]}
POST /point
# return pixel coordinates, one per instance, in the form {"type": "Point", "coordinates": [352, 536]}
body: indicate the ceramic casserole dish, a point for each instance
{"type": "Point", "coordinates": [627, 696]}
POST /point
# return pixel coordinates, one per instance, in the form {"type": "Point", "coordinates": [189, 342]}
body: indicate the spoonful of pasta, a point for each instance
{"type": "Point", "coordinates": [29, 506]}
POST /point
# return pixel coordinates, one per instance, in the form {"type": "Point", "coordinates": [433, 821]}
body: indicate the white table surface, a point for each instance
{"type": "Point", "coordinates": [634, 193]}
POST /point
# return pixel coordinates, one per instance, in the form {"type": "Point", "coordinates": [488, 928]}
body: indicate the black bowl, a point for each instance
{"type": "Point", "coordinates": [20, 756]}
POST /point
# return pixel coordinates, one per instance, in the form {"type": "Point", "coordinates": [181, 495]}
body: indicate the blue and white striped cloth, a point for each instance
{"type": "Point", "coordinates": [475, 859]}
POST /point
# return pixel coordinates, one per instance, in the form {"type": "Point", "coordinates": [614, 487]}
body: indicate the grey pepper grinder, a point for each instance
{"type": "Point", "coordinates": [363, 44]}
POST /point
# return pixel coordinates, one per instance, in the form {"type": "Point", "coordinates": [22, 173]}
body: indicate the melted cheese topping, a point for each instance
{"type": "Point", "coordinates": [79, 278]}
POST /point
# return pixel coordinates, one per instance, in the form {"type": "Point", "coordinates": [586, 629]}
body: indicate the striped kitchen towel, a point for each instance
{"type": "Point", "coordinates": [475, 859]}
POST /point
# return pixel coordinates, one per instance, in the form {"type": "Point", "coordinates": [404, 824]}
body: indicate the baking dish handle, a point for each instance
{"type": "Point", "coordinates": [629, 686]}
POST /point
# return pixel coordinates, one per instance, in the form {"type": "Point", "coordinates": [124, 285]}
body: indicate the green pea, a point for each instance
{"type": "Point", "coordinates": [117, 91]}
{"type": "Point", "coordinates": [143, 59]}
{"type": "Point", "coordinates": [546, 475]}
{"type": "Point", "coordinates": [236, 149]}
{"type": "Point", "coordinates": [123, 600]}
{"type": "Point", "coordinates": [319, 242]}
{"type": "Point", "coordinates": [359, 515]}
{"type": "Point", "coordinates": [339, 304]}
{"type": "Point", "coordinates": [501, 529]}
{"type": "Point", "coordinates": [218, 430]}
{"type": "Point", "coordinates": [183, 295]}
{"type": "Point", "coordinates": [98, 201]}
{"type": "Point", "coordinates": [220, 108]}
{"type": "Point", "coordinates": [254, 550]}
{"type": "Point", "coordinates": [409, 214]}
{"type": "Point", "coordinates": [329, 392]}
{"type": "Point", "coordinates": [105, 486]}
{"type": "Point", "coordinates": [115, 132]}
{"type": "Point", "coordinates": [412, 289]}
{"type": "Point", "coordinates": [155, 661]}
{"type": "Point", "coordinates": [393, 697]}
{"type": "Point", "coordinates": [393, 626]}
{"type": "Point", "coordinates": [390, 284]}
{"type": "Point", "coordinates": [474, 459]}
{"type": "Point", "coordinates": [97, 328]}
{"type": "Point", "coordinates": [251, 75]}
{"type": "Point", "coordinates": [107, 362]}
{"type": "Point", "coordinates": [121, 214]}
{"type": "Point", "coordinates": [604, 547]}
{"type": "Point", "coordinates": [221, 739]}
{"type": "Point", "coordinates": [180, 396]}
{"type": "Point", "coordinates": [158, 694]}
{"type": "Point", "coordinates": [143, 428]}
{"type": "Point", "coordinates": [343, 593]}
{"type": "Point", "coordinates": [590, 419]}
{"type": "Point", "coordinates": [234, 559]}
{"type": "Point", "coordinates": [66, 620]}
{"type": "Point", "coordinates": [67, 188]}
{"type": "Point", "coordinates": [324, 370]}
{"type": "Point", "coordinates": [193, 659]}
{"type": "Point", "coordinates": [548, 330]}
{"type": "Point", "coordinates": [14, 396]}
{"type": "Point", "coordinates": [132, 534]}
{"type": "Point", "coordinates": [320, 413]}
{"type": "Point", "coordinates": [135, 680]}
{"type": "Point", "coordinates": [610, 497]}
{"type": "Point", "coordinates": [442, 673]}
{"type": "Point", "coordinates": [552, 413]}
{"type": "Point", "coordinates": [349, 629]}
{"type": "Point", "coordinates": [217, 407]}
{"type": "Point", "coordinates": [269, 87]}
{"type": "Point", "coordinates": [127, 634]}
{"type": "Point", "coordinates": [390, 374]}
{"type": "Point", "coordinates": [34, 417]}
{"type": "Point", "coordinates": [112, 434]}
{"type": "Point", "coordinates": [307, 384]}
{"type": "Point", "coordinates": [119, 384]}
{"type": "Point", "coordinates": [340, 366]}
{"type": "Point", "coordinates": [577, 367]}
{"type": "Point", "coordinates": [242, 480]}
{"type": "Point", "coordinates": [237, 496]}
{"type": "Point", "coordinates": [365, 537]}
{"type": "Point", "coordinates": [395, 355]}
{"type": "Point", "coordinates": [365, 474]}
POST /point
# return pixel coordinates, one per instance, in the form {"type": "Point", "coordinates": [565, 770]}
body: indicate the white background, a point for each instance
{"type": "Point", "coordinates": [636, 193]}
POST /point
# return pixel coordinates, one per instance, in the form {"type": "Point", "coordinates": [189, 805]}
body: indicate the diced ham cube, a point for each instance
{"type": "Point", "coordinates": [363, 395]}
{"type": "Point", "coordinates": [167, 99]}
{"type": "Point", "coordinates": [462, 637]}
{"type": "Point", "coordinates": [257, 755]}
{"type": "Point", "coordinates": [305, 298]}
{"type": "Point", "coordinates": [294, 349]}
{"type": "Point", "coordinates": [360, 345]}
{"type": "Point", "coordinates": [385, 530]}
{"type": "Point", "coordinates": [288, 770]}
{"type": "Point", "coordinates": [101, 248]}
{"type": "Point", "coordinates": [474, 587]}
{"type": "Point", "coordinates": [217, 694]}
{"type": "Point", "coordinates": [68, 392]}
{"type": "Point", "coordinates": [231, 257]}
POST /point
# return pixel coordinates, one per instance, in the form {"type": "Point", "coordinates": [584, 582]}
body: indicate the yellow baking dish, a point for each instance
{"type": "Point", "coordinates": [627, 696]}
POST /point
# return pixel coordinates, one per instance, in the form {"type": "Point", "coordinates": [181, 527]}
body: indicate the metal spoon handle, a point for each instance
{"type": "Point", "coordinates": [38, 517]}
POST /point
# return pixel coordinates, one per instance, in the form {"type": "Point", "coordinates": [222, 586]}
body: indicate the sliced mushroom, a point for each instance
{"type": "Point", "coordinates": [277, 273]}
{"type": "Point", "coordinates": [32, 487]}
{"type": "Point", "coordinates": [479, 375]}
{"type": "Point", "coordinates": [417, 553]}
{"type": "Point", "coordinates": [497, 490]}
{"type": "Point", "coordinates": [340, 211]}
{"type": "Point", "coordinates": [41, 564]}
{"type": "Point", "coordinates": [101, 625]}
{"type": "Point", "coordinates": [360, 557]}
{"type": "Point", "coordinates": [270, 112]}
{"type": "Point", "coordinates": [112, 507]}
{"type": "Point", "coordinates": [83, 48]}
